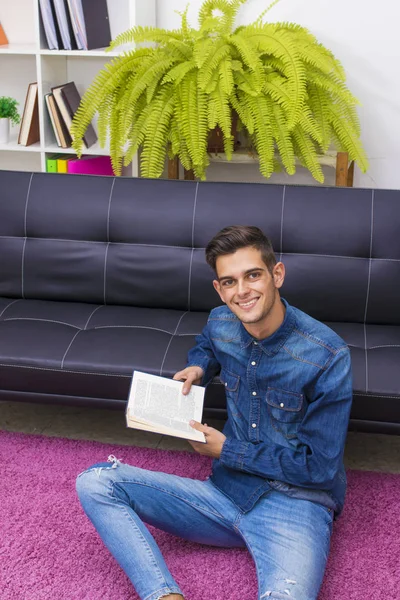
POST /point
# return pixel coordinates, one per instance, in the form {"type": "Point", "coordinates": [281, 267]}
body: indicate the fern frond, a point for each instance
{"type": "Point", "coordinates": [247, 82]}
{"type": "Point", "coordinates": [103, 87]}
{"type": "Point", "coordinates": [177, 133]}
{"type": "Point", "coordinates": [276, 87]}
{"type": "Point", "coordinates": [311, 126]}
{"type": "Point", "coordinates": [226, 76]}
{"type": "Point", "coordinates": [178, 72]}
{"type": "Point", "coordinates": [105, 111]}
{"type": "Point", "coordinates": [185, 29]}
{"type": "Point", "coordinates": [194, 121]}
{"type": "Point", "coordinates": [348, 138]}
{"type": "Point", "coordinates": [219, 52]}
{"type": "Point", "coordinates": [240, 104]}
{"type": "Point", "coordinates": [116, 147]}
{"type": "Point", "coordinates": [202, 48]}
{"type": "Point", "coordinates": [223, 113]}
{"type": "Point", "coordinates": [319, 102]}
{"type": "Point", "coordinates": [157, 129]}
{"type": "Point", "coordinates": [260, 108]}
{"type": "Point", "coordinates": [264, 12]}
{"type": "Point", "coordinates": [282, 137]}
{"type": "Point", "coordinates": [307, 153]}
{"type": "Point", "coordinates": [248, 55]}
{"type": "Point", "coordinates": [332, 85]}
{"type": "Point", "coordinates": [282, 46]}
{"type": "Point", "coordinates": [222, 24]}
{"type": "Point", "coordinates": [145, 77]}
{"type": "Point", "coordinates": [137, 35]}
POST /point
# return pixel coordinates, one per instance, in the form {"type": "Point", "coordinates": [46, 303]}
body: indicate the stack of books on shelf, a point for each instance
{"type": "Point", "coordinates": [87, 165]}
{"type": "Point", "coordinates": [75, 24]}
{"type": "Point", "coordinates": [62, 103]}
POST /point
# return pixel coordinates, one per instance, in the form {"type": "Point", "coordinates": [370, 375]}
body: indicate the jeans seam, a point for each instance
{"type": "Point", "coordinates": [138, 532]}
{"type": "Point", "coordinates": [197, 506]}
{"type": "Point", "coordinates": [258, 572]}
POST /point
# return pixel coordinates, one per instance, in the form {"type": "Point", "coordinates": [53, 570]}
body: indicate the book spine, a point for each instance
{"type": "Point", "coordinates": [62, 165]}
{"type": "Point", "coordinates": [51, 164]}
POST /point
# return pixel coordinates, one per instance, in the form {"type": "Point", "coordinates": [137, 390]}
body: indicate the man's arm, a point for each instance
{"type": "Point", "coordinates": [202, 367]}
{"type": "Point", "coordinates": [322, 434]}
{"type": "Point", "coordinates": [202, 364]}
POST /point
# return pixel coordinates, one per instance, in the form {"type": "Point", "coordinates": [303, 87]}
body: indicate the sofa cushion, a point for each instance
{"type": "Point", "coordinates": [98, 346]}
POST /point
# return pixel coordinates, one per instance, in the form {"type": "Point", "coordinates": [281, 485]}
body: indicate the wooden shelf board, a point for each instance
{"type": "Point", "coordinates": [246, 157]}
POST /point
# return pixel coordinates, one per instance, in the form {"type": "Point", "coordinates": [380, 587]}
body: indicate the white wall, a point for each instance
{"type": "Point", "coordinates": [364, 36]}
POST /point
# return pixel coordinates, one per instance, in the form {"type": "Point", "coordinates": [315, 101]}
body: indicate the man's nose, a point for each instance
{"type": "Point", "coordinates": [243, 288]}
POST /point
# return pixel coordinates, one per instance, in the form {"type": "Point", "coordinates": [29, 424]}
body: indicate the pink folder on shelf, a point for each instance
{"type": "Point", "coordinates": [91, 165]}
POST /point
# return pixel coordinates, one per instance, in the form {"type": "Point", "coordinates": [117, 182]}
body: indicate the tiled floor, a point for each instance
{"type": "Point", "coordinates": [368, 451]}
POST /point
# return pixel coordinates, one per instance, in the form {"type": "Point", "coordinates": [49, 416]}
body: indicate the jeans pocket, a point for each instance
{"type": "Point", "coordinates": [286, 410]}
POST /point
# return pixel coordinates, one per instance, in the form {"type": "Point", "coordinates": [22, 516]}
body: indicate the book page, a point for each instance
{"type": "Point", "coordinates": [157, 404]}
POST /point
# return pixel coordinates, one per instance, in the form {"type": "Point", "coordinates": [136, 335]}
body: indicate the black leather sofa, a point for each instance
{"type": "Point", "coordinates": [100, 276]}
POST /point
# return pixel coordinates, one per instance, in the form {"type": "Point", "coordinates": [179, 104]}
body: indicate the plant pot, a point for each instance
{"type": "Point", "coordinates": [4, 131]}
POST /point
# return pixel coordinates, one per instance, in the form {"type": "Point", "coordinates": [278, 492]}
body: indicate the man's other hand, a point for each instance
{"type": "Point", "coordinates": [189, 375]}
{"type": "Point", "coordinates": [214, 440]}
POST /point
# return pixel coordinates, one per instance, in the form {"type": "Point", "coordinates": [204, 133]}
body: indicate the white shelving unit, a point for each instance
{"type": "Point", "coordinates": [27, 59]}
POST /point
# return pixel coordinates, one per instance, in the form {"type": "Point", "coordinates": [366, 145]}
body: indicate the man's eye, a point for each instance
{"type": "Point", "coordinates": [227, 282]}
{"type": "Point", "coordinates": [254, 275]}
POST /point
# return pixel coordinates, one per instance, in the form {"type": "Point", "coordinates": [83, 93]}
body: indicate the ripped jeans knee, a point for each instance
{"type": "Point", "coordinates": [90, 480]}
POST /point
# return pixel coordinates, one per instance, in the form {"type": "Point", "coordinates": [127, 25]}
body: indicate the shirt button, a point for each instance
{"type": "Point", "coordinates": [254, 393]}
{"type": "Point", "coordinates": [254, 425]}
{"type": "Point", "coordinates": [226, 385]}
{"type": "Point", "coordinates": [255, 343]}
{"type": "Point", "coordinates": [253, 362]}
{"type": "Point", "coordinates": [281, 405]}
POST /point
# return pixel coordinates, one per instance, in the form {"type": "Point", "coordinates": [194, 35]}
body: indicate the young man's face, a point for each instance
{"type": "Point", "coordinates": [247, 287]}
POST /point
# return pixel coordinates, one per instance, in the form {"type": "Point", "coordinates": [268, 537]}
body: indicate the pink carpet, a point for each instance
{"type": "Point", "coordinates": [50, 551]}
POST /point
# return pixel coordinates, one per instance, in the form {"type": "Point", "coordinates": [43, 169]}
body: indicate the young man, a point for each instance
{"type": "Point", "coordinates": [278, 478]}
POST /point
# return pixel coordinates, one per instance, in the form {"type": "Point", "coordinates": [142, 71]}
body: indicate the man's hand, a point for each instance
{"type": "Point", "coordinates": [189, 375]}
{"type": "Point", "coordinates": [214, 440]}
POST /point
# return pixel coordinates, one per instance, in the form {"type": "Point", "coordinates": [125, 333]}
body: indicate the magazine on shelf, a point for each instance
{"type": "Point", "coordinates": [157, 404]}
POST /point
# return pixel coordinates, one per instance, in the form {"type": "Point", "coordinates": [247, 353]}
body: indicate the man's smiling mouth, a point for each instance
{"type": "Point", "coordinates": [248, 304]}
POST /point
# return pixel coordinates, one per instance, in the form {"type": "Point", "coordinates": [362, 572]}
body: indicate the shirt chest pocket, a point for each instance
{"type": "Point", "coordinates": [286, 410]}
{"type": "Point", "coordinates": [231, 385]}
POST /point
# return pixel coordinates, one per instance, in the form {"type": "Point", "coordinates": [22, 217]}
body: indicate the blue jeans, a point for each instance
{"type": "Point", "coordinates": [288, 538]}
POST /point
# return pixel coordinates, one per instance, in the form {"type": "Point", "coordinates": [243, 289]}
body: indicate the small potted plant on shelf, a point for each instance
{"type": "Point", "coordinates": [8, 113]}
{"type": "Point", "coordinates": [284, 88]}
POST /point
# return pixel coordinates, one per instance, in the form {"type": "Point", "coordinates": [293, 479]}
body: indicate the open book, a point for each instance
{"type": "Point", "coordinates": [157, 404]}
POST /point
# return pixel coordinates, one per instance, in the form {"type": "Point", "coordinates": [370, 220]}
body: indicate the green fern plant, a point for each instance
{"type": "Point", "coordinates": [288, 91]}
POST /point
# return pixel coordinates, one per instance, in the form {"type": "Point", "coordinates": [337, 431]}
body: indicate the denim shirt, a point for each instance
{"type": "Point", "coordinates": [288, 401]}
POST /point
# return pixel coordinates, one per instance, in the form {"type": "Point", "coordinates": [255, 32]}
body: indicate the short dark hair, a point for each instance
{"type": "Point", "coordinates": [232, 238]}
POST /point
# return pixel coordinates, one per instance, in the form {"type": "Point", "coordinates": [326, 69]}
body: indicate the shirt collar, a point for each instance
{"type": "Point", "coordinates": [274, 342]}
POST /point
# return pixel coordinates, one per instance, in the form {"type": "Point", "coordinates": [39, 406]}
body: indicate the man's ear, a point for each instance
{"type": "Point", "coordinates": [278, 274]}
{"type": "Point", "coordinates": [217, 288]}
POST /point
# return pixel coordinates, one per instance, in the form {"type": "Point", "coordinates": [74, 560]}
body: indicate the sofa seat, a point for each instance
{"type": "Point", "coordinates": [375, 354]}
{"type": "Point", "coordinates": [90, 351]}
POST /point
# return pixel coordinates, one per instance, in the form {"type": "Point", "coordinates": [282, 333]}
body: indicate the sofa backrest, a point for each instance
{"type": "Point", "coordinates": [141, 242]}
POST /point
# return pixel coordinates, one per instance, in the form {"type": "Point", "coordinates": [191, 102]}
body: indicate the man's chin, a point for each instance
{"type": "Point", "coordinates": [245, 317]}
